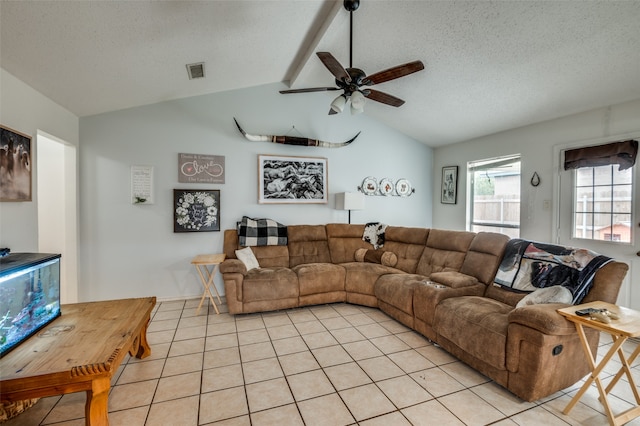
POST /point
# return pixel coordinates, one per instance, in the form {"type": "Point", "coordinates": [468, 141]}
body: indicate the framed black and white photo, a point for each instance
{"type": "Point", "coordinates": [298, 180]}
{"type": "Point", "coordinates": [196, 210]}
{"type": "Point", "coordinates": [15, 165]}
{"type": "Point", "coordinates": [449, 192]}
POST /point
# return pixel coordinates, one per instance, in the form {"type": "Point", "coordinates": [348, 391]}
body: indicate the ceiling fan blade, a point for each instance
{"type": "Point", "coordinates": [393, 73]}
{"type": "Point", "coordinates": [311, 89]}
{"type": "Point", "coordinates": [334, 66]}
{"type": "Point", "coordinates": [385, 98]}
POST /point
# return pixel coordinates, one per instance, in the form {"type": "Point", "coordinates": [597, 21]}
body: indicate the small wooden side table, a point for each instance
{"type": "Point", "coordinates": [628, 325]}
{"type": "Point", "coordinates": [203, 262]}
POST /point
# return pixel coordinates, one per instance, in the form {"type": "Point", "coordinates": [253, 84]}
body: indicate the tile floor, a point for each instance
{"type": "Point", "coordinates": [332, 365]}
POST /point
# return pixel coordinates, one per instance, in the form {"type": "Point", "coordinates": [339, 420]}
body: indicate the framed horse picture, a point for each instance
{"type": "Point", "coordinates": [15, 165]}
{"type": "Point", "coordinates": [298, 180]}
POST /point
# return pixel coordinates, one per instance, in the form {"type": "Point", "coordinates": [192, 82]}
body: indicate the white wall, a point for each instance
{"type": "Point", "coordinates": [535, 143]}
{"type": "Point", "coordinates": [131, 250]}
{"type": "Point", "coordinates": [27, 111]}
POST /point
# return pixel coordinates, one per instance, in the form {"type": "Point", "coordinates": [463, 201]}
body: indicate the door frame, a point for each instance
{"type": "Point", "coordinates": [628, 296]}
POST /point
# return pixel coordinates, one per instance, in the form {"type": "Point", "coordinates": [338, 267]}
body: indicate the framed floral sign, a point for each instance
{"type": "Point", "coordinates": [449, 192]}
{"type": "Point", "coordinates": [298, 180]}
{"type": "Point", "coordinates": [196, 210]}
{"type": "Point", "coordinates": [15, 165]}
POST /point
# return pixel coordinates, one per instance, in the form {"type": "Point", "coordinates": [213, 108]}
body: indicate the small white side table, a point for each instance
{"type": "Point", "coordinates": [203, 262]}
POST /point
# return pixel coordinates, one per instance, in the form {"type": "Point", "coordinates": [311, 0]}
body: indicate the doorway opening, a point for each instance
{"type": "Point", "coordinates": [57, 208]}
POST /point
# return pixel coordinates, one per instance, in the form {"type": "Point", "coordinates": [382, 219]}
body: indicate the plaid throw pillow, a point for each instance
{"type": "Point", "coordinates": [261, 232]}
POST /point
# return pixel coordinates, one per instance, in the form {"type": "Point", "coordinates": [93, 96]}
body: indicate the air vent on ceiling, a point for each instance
{"type": "Point", "coordinates": [195, 70]}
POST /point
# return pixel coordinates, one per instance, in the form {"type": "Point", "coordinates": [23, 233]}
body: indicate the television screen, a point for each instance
{"type": "Point", "coordinates": [29, 296]}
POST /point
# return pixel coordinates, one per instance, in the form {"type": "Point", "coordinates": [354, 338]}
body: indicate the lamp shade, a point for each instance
{"type": "Point", "coordinates": [338, 103]}
{"type": "Point", "coordinates": [349, 201]}
{"type": "Point", "coordinates": [357, 102]}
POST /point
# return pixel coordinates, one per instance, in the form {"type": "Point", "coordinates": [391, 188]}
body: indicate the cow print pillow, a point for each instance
{"type": "Point", "coordinates": [374, 234]}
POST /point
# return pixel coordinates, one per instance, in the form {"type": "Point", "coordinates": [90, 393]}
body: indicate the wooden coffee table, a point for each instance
{"type": "Point", "coordinates": [78, 351]}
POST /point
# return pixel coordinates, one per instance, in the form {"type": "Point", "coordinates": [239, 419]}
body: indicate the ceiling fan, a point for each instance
{"type": "Point", "coordinates": [354, 82]}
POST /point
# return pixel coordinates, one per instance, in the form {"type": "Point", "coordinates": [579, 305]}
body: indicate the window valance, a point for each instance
{"type": "Point", "coordinates": [622, 153]}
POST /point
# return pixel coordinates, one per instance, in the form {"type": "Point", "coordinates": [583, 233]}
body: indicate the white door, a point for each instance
{"type": "Point", "coordinates": [565, 223]}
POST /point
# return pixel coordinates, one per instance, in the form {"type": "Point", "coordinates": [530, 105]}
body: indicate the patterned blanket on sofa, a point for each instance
{"type": "Point", "coordinates": [261, 232]}
{"type": "Point", "coordinates": [528, 266]}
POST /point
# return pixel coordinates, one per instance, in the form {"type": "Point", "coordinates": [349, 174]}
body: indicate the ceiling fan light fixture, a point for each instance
{"type": "Point", "coordinates": [352, 80]}
{"type": "Point", "coordinates": [338, 103]}
{"type": "Point", "coordinates": [357, 102]}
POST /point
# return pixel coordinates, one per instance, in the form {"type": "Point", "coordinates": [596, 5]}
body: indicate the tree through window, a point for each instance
{"type": "Point", "coordinates": [494, 197]}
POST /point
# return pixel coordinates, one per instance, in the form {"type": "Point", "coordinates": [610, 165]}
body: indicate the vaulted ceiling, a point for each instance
{"type": "Point", "coordinates": [489, 65]}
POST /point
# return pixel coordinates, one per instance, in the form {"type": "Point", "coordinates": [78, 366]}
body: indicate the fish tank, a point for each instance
{"type": "Point", "coordinates": [29, 296]}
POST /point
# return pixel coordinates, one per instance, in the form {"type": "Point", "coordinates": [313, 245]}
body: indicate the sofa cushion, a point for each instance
{"type": "Point", "coordinates": [553, 294]}
{"type": "Point", "coordinates": [407, 244]}
{"type": "Point", "coordinates": [269, 284]}
{"type": "Point", "coordinates": [484, 256]}
{"type": "Point", "coordinates": [308, 244]}
{"type": "Point", "coordinates": [497, 292]}
{"type": "Point", "coordinates": [477, 325]}
{"type": "Point", "coordinates": [445, 251]}
{"type": "Point", "coordinates": [272, 256]}
{"type": "Point", "coordinates": [453, 279]}
{"type": "Point", "coordinates": [386, 258]}
{"type": "Point", "coordinates": [247, 257]}
{"type": "Point", "coordinates": [344, 240]}
{"type": "Point", "coordinates": [361, 277]}
{"type": "Point", "coordinates": [316, 278]}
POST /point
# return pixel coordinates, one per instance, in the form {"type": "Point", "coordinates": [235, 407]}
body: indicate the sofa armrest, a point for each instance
{"type": "Point", "coordinates": [543, 318]}
{"type": "Point", "coordinates": [233, 266]}
{"type": "Point", "coordinates": [453, 279]}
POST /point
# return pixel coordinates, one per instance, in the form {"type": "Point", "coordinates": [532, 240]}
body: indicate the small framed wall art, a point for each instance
{"type": "Point", "coordinates": [297, 180]}
{"type": "Point", "coordinates": [196, 210]}
{"type": "Point", "coordinates": [142, 184]}
{"type": "Point", "coordinates": [200, 168]}
{"type": "Point", "coordinates": [449, 192]}
{"type": "Point", "coordinates": [15, 165]}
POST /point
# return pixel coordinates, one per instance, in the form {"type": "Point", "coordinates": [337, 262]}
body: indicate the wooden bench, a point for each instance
{"type": "Point", "coordinates": [78, 351]}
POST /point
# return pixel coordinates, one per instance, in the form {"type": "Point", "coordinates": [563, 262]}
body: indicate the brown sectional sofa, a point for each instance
{"type": "Point", "coordinates": [531, 350]}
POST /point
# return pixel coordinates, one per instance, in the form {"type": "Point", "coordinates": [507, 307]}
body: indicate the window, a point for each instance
{"type": "Point", "coordinates": [494, 196]}
{"type": "Point", "coordinates": [603, 203]}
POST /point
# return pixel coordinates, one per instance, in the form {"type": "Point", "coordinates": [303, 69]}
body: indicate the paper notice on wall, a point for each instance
{"type": "Point", "coordinates": [142, 184]}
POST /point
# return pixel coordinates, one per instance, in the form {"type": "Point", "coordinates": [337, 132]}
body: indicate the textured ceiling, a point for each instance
{"type": "Point", "coordinates": [490, 66]}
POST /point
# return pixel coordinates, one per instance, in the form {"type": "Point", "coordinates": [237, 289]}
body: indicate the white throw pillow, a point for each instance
{"type": "Point", "coordinates": [247, 257]}
{"type": "Point", "coordinates": [553, 294]}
